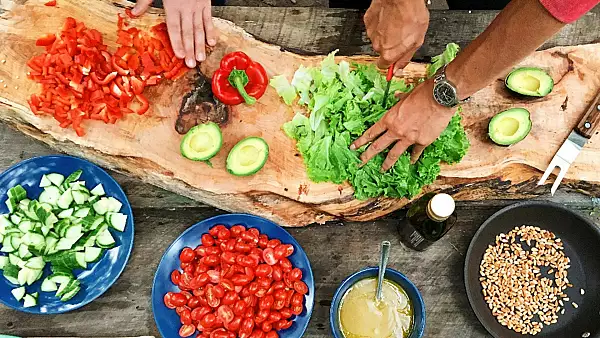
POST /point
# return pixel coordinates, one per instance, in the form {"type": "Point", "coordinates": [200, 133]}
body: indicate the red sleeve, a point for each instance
{"type": "Point", "coordinates": [568, 11]}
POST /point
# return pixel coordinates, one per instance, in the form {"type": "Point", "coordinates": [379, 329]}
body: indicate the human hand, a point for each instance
{"type": "Point", "coordinates": [397, 29]}
{"type": "Point", "coordinates": [416, 120]}
{"type": "Point", "coordinates": [190, 27]}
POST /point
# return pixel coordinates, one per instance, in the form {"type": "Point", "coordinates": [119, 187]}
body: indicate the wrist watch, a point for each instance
{"type": "Point", "coordinates": [444, 91]}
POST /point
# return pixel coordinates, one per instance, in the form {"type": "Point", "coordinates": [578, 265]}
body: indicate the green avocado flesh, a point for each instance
{"type": "Point", "coordinates": [248, 156]}
{"type": "Point", "coordinates": [530, 82]}
{"type": "Point", "coordinates": [510, 126]}
{"type": "Point", "coordinates": [202, 142]}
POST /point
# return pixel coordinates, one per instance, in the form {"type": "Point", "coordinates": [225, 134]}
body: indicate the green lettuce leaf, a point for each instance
{"type": "Point", "coordinates": [284, 89]}
{"type": "Point", "coordinates": [443, 59]}
{"type": "Point", "coordinates": [344, 100]}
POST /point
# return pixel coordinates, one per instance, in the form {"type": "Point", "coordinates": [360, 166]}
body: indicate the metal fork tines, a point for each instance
{"type": "Point", "coordinates": [563, 159]}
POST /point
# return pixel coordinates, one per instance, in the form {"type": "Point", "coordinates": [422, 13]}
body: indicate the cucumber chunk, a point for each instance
{"type": "Point", "coordinates": [50, 195]}
{"type": "Point", "coordinates": [36, 263]}
{"type": "Point", "coordinates": [18, 293]}
{"type": "Point", "coordinates": [105, 240]}
{"type": "Point", "coordinates": [3, 262]}
{"type": "Point", "coordinates": [98, 190]}
{"type": "Point", "coordinates": [70, 293]}
{"type": "Point", "coordinates": [65, 199]}
{"type": "Point", "coordinates": [56, 179]}
{"type": "Point", "coordinates": [93, 254]}
{"type": "Point", "coordinates": [48, 286]}
{"type": "Point", "coordinates": [80, 197]}
{"type": "Point", "coordinates": [117, 221]}
{"type": "Point", "coordinates": [45, 182]}
{"type": "Point", "coordinates": [17, 193]}
{"type": "Point", "coordinates": [66, 213]}
{"type": "Point", "coordinates": [29, 301]}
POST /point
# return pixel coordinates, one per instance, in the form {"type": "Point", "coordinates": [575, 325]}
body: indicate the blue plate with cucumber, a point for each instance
{"type": "Point", "coordinates": [66, 233]}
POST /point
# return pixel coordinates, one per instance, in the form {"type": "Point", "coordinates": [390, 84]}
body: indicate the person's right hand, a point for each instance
{"type": "Point", "coordinates": [397, 29]}
{"type": "Point", "coordinates": [190, 27]}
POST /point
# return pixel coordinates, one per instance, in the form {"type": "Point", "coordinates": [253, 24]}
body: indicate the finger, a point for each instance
{"type": "Point", "coordinates": [209, 28]}
{"type": "Point", "coordinates": [416, 153]}
{"type": "Point", "coordinates": [378, 146]}
{"type": "Point", "coordinates": [174, 27]}
{"type": "Point", "coordinates": [375, 130]}
{"type": "Point", "coordinates": [400, 60]}
{"type": "Point", "coordinates": [199, 37]}
{"type": "Point", "coordinates": [187, 33]}
{"type": "Point", "coordinates": [394, 154]}
{"type": "Point", "coordinates": [140, 7]}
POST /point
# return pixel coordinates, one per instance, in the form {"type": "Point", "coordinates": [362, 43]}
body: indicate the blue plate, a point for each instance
{"type": "Point", "coordinates": [168, 321]}
{"type": "Point", "coordinates": [103, 274]}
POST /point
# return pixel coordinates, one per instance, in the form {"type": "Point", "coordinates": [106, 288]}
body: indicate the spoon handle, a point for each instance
{"type": "Point", "coordinates": [383, 260]}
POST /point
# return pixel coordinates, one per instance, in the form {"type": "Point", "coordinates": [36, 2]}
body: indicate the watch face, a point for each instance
{"type": "Point", "coordinates": [445, 94]}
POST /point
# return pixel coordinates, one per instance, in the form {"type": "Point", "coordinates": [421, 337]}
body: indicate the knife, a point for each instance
{"type": "Point", "coordinates": [574, 143]}
{"type": "Point", "coordinates": [389, 76]}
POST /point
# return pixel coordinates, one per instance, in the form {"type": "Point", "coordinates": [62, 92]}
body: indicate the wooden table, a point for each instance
{"type": "Point", "coordinates": [335, 250]}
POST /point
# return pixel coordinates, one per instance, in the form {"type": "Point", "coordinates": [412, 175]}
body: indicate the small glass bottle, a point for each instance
{"type": "Point", "coordinates": [427, 220]}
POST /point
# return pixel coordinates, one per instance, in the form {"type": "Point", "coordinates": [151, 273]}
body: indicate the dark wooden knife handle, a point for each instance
{"type": "Point", "coordinates": [591, 120]}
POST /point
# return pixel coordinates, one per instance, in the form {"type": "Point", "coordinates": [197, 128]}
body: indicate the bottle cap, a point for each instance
{"type": "Point", "coordinates": [441, 206]}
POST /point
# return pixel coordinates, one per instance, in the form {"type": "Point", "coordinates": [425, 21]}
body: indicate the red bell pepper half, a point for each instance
{"type": "Point", "coordinates": [239, 79]}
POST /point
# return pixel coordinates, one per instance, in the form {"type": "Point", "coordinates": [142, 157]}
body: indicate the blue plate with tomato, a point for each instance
{"type": "Point", "coordinates": [99, 276]}
{"type": "Point", "coordinates": [169, 322]}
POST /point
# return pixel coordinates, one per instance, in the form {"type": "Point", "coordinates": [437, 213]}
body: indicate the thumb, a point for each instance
{"type": "Point", "coordinates": [140, 7]}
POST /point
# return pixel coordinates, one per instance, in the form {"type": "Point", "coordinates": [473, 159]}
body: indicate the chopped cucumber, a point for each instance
{"type": "Point", "coordinates": [93, 254]}
{"type": "Point", "coordinates": [117, 221]}
{"type": "Point", "coordinates": [3, 262]}
{"type": "Point", "coordinates": [48, 286]}
{"type": "Point", "coordinates": [73, 177]}
{"type": "Point", "coordinates": [66, 287]}
{"type": "Point", "coordinates": [29, 301]}
{"type": "Point", "coordinates": [24, 252]}
{"type": "Point", "coordinates": [18, 293]}
{"type": "Point", "coordinates": [115, 205]}
{"type": "Point", "coordinates": [17, 193]}
{"type": "Point", "coordinates": [16, 219]}
{"type": "Point", "coordinates": [80, 258]}
{"type": "Point", "coordinates": [26, 226]}
{"type": "Point", "coordinates": [36, 263]}
{"type": "Point", "coordinates": [98, 190]}
{"type": "Point", "coordinates": [50, 195]}
{"type": "Point", "coordinates": [56, 179]}
{"type": "Point", "coordinates": [45, 182]}
{"type": "Point", "coordinates": [105, 240]}
{"type": "Point", "coordinates": [60, 278]}
{"type": "Point", "coordinates": [16, 260]}
{"type": "Point", "coordinates": [64, 244]}
{"type": "Point", "coordinates": [65, 199]}
{"type": "Point", "coordinates": [66, 213]}
{"type": "Point", "coordinates": [81, 213]}
{"type": "Point", "coordinates": [5, 222]}
{"type": "Point", "coordinates": [11, 205]}
{"type": "Point", "coordinates": [70, 294]}
{"type": "Point", "coordinates": [101, 207]}
{"type": "Point", "coordinates": [79, 196]}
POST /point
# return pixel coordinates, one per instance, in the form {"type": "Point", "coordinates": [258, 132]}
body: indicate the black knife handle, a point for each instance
{"type": "Point", "coordinates": [591, 120]}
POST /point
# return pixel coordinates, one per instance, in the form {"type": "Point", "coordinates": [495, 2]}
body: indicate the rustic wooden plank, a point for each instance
{"type": "Point", "coordinates": [321, 30]}
{"type": "Point", "coordinates": [335, 251]}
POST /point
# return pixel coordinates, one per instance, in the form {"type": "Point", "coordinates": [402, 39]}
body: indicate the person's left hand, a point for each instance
{"type": "Point", "coordinates": [416, 120]}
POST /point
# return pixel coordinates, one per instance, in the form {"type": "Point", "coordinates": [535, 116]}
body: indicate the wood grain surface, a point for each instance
{"type": "Point", "coordinates": [335, 250]}
{"type": "Point", "coordinates": [282, 191]}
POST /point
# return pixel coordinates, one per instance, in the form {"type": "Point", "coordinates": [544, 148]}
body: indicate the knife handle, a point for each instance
{"type": "Point", "coordinates": [591, 120]}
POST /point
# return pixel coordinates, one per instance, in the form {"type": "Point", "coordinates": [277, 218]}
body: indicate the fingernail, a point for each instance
{"type": "Point", "coordinates": [180, 54]}
{"type": "Point", "coordinates": [212, 42]}
{"type": "Point", "coordinates": [352, 147]}
{"type": "Point", "coordinates": [191, 63]}
{"type": "Point", "coordinates": [200, 57]}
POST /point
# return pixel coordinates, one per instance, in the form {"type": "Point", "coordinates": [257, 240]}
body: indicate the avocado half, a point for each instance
{"type": "Point", "coordinates": [530, 81]}
{"type": "Point", "coordinates": [248, 156]}
{"type": "Point", "coordinates": [202, 142]}
{"type": "Point", "coordinates": [510, 126]}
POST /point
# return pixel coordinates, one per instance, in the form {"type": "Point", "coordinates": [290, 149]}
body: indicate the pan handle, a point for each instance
{"type": "Point", "coordinates": [591, 120]}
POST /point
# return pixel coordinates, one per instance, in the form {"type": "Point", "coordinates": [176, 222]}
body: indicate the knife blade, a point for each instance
{"type": "Point", "coordinates": [389, 76]}
{"type": "Point", "coordinates": [571, 148]}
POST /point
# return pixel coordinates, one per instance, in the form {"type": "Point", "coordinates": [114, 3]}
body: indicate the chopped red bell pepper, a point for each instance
{"type": "Point", "coordinates": [46, 40]}
{"type": "Point", "coordinates": [50, 3]}
{"type": "Point", "coordinates": [130, 14]}
{"type": "Point", "coordinates": [239, 79]}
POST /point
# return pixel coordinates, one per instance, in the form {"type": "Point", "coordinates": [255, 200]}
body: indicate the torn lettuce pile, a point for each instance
{"type": "Point", "coordinates": [344, 101]}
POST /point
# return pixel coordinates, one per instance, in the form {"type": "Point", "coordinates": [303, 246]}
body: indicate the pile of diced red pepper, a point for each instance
{"type": "Point", "coordinates": [82, 80]}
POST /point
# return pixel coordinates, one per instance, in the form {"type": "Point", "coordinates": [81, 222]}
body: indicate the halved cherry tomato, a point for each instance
{"type": "Point", "coordinates": [178, 299]}
{"type": "Point", "coordinates": [300, 287]}
{"type": "Point", "coordinates": [269, 256]}
{"type": "Point", "coordinates": [225, 314]}
{"type": "Point", "coordinates": [272, 334]}
{"type": "Point", "coordinates": [168, 300]}
{"type": "Point", "coordinates": [187, 255]}
{"type": "Point", "coordinates": [175, 276]}
{"type": "Point", "coordinates": [187, 330]}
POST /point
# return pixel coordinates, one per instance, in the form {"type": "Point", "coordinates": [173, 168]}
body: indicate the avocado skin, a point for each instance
{"type": "Point", "coordinates": [522, 134]}
{"type": "Point", "coordinates": [549, 81]}
{"type": "Point", "coordinates": [260, 165]}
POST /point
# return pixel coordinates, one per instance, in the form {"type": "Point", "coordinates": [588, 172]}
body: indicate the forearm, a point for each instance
{"type": "Point", "coordinates": [517, 31]}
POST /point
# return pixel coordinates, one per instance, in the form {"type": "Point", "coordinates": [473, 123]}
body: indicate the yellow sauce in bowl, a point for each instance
{"type": "Point", "coordinates": [361, 317]}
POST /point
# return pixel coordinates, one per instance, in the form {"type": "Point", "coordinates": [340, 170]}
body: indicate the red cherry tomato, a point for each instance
{"type": "Point", "coordinates": [288, 298]}
{"type": "Point", "coordinates": [295, 274]}
{"type": "Point", "coordinates": [236, 230]}
{"type": "Point", "coordinates": [234, 324]}
{"type": "Point", "coordinates": [213, 250]}
{"type": "Point", "coordinates": [264, 270]}
{"type": "Point", "coordinates": [257, 333]}
{"type": "Point", "coordinates": [251, 301]}
{"type": "Point", "coordinates": [266, 327]}
{"type": "Point", "coordinates": [223, 234]}
{"type": "Point", "coordinates": [242, 247]}
{"type": "Point", "coordinates": [168, 300]}
{"type": "Point", "coordinates": [187, 255]}
{"type": "Point", "coordinates": [228, 257]}
{"type": "Point", "coordinates": [187, 330]}
{"type": "Point", "coordinates": [193, 303]}
{"type": "Point", "coordinates": [266, 302]}
{"type": "Point", "coordinates": [274, 316]}
{"type": "Point", "coordinates": [200, 268]}
{"type": "Point", "coordinates": [273, 243]}
{"type": "Point", "coordinates": [297, 299]}
{"type": "Point", "coordinates": [300, 287]}
{"type": "Point", "coordinates": [284, 324]}
{"type": "Point", "coordinates": [209, 320]}
{"type": "Point", "coordinates": [241, 279]}
{"type": "Point", "coordinates": [297, 310]}
{"type": "Point", "coordinates": [263, 283]}
{"type": "Point", "coordinates": [249, 272]}
{"type": "Point", "coordinates": [277, 273]}
{"type": "Point", "coordinates": [227, 284]}
{"type": "Point", "coordinates": [178, 299]}
{"type": "Point", "coordinates": [286, 313]}
{"type": "Point", "coordinates": [214, 231]}
{"type": "Point", "coordinates": [211, 298]}
{"type": "Point", "coordinates": [225, 314]}
{"type": "Point", "coordinates": [230, 298]}
{"type": "Point", "coordinates": [199, 312]}
{"type": "Point", "coordinates": [279, 304]}
{"type": "Point", "coordinates": [269, 257]}
{"type": "Point", "coordinates": [263, 240]}
{"type": "Point", "coordinates": [249, 313]}
{"type": "Point", "coordinates": [286, 265]}
{"type": "Point", "coordinates": [175, 276]}
{"type": "Point", "coordinates": [219, 333]}
{"type": "Point", "coordinates": [247, 325]}
{"type": "Point", "coordinates": [261, 316]}
{"type": "Point", "coordinates": [208, 240]}
{"type": "Point", "coordinates": [272, 334]}
{"type": "Point", "coordinates": [212, 260]}
{"type": "Point", "coordinates": [200, 251]}
{"type": "Point", "coordinates": [199, 281]}
{"type": "Point", "coordinates": [214, 276]}
{"type": "Point", "coordinates": [239, 308]}
{"type": "Point", "coordinates": [219, 291]}
{"type": "Point", "coordinates": [186, 317]}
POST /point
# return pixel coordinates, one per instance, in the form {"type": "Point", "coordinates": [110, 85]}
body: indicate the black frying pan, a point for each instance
{"type": "Point", "coordinates": [581, 239]}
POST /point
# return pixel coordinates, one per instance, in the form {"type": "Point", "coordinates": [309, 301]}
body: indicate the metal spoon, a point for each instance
{"type": "Point", "coordinates": [383, 259]}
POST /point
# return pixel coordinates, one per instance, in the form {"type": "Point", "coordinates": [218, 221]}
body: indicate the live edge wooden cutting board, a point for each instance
{"type": "Point", "coordinates": [148, 146]}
